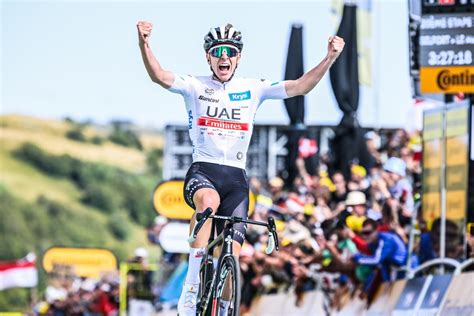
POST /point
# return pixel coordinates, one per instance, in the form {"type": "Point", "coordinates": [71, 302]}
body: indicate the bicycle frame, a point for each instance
{"type": "Point", "coordinates": [226, 238]}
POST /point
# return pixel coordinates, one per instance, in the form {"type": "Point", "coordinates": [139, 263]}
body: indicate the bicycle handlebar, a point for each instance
{"type": "Point", "coordinates": [272, 236]}
{"type": "Point", "coordinates": [202, 217]}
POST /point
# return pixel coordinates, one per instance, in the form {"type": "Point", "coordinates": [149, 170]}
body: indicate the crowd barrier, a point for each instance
{"type": "Point", "coordinates": [285, 304]}
{"type": "Point", "coordinates": [448, 294]}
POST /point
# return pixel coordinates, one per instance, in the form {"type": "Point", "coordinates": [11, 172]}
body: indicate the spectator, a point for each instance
{"type": "Point", "coordinates": [340, 193]}
{"type": "Point", "coordinates": [390, 222]}
{"type": "Point", "coordinates": [387, 249]}
{"type": "Point", "coordinates": [356, 210]}
{"type": "Point", "coordinates": [140, 277]}
{"type": "Point", "coordinates": [398, 186]}
{"type": "Point", "coordinates": [358, 181]}
{"type": "Point", "coordinates": [372, 141]}
{"type": "Point", "coordinates": [276, 192]}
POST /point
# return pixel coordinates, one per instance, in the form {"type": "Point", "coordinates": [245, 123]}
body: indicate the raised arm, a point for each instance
{"type": "Point", "coordinates": [309, 80]}
{"type": "Point", "coordinates": [157, 74]}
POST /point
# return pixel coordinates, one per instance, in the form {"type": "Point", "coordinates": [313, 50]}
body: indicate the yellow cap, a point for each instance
{"type": "Point", "coordinates": [308, 209]}
{"type": "Point", "coordinates": [355, 222]}
{"type": "Point", "coordinates": [328, 183]}
{"type": "Point", "coordinates": [280, 225]}
{"type": "Point", "coordinates": [359, 170]}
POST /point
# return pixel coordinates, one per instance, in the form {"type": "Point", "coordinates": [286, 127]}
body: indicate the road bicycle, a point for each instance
{"type": "Point", "coordinates": [220, 285]}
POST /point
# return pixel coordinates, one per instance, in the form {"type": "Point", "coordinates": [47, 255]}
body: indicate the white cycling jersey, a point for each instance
{"type": "Point", "coordinates": [221, 115]}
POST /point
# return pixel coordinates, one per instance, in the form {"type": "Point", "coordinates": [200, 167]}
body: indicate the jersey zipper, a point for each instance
{"type": "Point", "coordinates": [225, 143]}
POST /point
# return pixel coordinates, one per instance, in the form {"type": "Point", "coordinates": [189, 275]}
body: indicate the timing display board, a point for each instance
{"type": "Point", "coordinates": [446, 53]}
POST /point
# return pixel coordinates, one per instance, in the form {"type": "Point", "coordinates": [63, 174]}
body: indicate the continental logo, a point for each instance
{"type": "Point", "coordinates": [447, 79]}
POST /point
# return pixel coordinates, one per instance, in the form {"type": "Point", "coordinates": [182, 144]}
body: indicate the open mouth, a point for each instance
{"type": "Point", "coordinates": [224, 67]}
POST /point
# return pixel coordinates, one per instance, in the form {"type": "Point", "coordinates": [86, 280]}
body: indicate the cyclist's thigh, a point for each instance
{"type": "Point", "coordinates": [235, 202]}
{"type": "Point", "coordinates": [196, 180]}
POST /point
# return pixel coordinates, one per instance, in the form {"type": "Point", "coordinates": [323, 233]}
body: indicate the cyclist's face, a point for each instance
{"type": "Point", "coordinates": [222, 63]}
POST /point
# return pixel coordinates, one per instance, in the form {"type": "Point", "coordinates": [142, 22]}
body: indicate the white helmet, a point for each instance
{"type": "Point", "coordinates": [223, 35]}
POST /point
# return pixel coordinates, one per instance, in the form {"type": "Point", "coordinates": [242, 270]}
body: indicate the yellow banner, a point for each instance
{"type": "Point", "coordinates": [86, 262]}
{"type": "Point", "coordinates": [168, 200]}
{"type": "Point", "coordinates": [432, 125]}
{"type": "Point", "coordinates": [431, 206]}
{"type": "Point", "coordinates": [432, 154]}
{"type": "Point", "coordinates": [457, 151]}
{"type": "Point", "coordinates": [457, 122]}
{"type": "Point", "coordinates": [455, 205]}
{"type": "Point", "coordinates": [447, 79]}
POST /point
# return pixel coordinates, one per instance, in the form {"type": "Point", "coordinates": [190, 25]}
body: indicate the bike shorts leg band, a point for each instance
{"type": "Point", "coordinates": [192, 184]}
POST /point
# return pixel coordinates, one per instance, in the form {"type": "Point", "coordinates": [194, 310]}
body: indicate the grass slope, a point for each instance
{"type": "Point", "coordinates": [50, 136]}
{"type": "Point", "coordinates": [32, 226]}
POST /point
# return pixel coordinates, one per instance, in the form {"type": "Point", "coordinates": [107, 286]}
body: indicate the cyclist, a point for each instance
{"type": "Point", "coordinates": [221, 111]}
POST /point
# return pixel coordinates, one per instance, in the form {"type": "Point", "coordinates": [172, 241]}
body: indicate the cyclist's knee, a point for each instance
{"type": "Point", "coordinates": [205, 198]}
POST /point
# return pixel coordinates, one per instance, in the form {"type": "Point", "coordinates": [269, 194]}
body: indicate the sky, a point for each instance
{"type": "Point", "coordinates": [81, 59]}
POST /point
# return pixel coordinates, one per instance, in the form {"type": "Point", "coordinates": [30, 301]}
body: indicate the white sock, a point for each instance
{"type": "Point", "coordinates": [194, 264]}
{"type": "Point", "coordinates": [214, 262]}
{"type": "Point", "coordinates": [223, 307]}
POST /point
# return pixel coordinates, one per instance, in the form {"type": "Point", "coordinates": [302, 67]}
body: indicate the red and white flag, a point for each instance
{"type": "Point", "coordinates": [19, 273]}
{"type": "Point", "coordinates": [307, 147]}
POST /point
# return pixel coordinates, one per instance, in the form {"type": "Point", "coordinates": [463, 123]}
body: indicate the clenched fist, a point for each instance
{"type": "Point", "coordinates": [144, 31]}
{"type": "Point", "coordinates": [335, 46]}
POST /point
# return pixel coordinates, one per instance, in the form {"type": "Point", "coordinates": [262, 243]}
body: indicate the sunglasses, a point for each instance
{"type": "Point", "coordinates": [366, 232]}
{"type": "Point", "coordinates": [219, 50]}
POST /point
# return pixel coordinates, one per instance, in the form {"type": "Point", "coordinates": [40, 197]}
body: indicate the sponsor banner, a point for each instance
{"type": "Point", "coordinates": [215, 123]}
{"type": "Point", "coordinates": [431, 207]}
{"type": "Point", "coordinates": [386, 298]}
{"type": "Point", "coordinates": [431, 180]}
{"type": "Point", "coordinates": [432, 161]}
{"type": "Point", "coordinates": [432, 125]}
{"type": "Point", "coordinates": [456, 205]}
{"type": "Point", "coordinates": [457, 121]}
{"type": "Point", "coordinates": [447, 79]}
{"type": "Point", "coordinates": [86, 262]}
{"type": "Point", "coordinates": [168, 200]}
{"type": "Point", "coordinates": [432, 154]}
{"type": "Point", "coordinates": [457, 160]}
{"type": "Point", "coordinates": [435, 294]}
{"type": "Point", "coordinates": [174, 237]}
{"type": "Point", "coordinates": [412, 293]}
{"type": "Point", "coordinates": [456, 150]}
{"type": "Point", "coordinates": [456, 178]}
{"type": "Point", "coordinates": [459, 299]}
{"type": "Point", "coordinates": [472, 132]}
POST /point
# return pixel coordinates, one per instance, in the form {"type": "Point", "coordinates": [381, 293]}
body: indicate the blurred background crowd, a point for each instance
{"type": "Point", "coordinates": [342, 235]}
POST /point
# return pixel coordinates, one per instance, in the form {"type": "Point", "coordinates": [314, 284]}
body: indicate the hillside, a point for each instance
{"type": "Point", "coordinates": [50, 135]}
{"type": "Point", "coordinates": [55, 190]}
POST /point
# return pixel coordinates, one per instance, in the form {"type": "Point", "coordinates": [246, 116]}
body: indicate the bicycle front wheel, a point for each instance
{"type": "Point", "coordinates": [227, 299]}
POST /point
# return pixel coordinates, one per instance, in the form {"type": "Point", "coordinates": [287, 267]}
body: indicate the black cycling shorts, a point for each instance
{"type": "Point", "coordinates": [231, 184]}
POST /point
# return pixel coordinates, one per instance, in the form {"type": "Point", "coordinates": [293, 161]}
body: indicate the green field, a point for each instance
{"type": "Point", "coordinates": [41, 209]}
